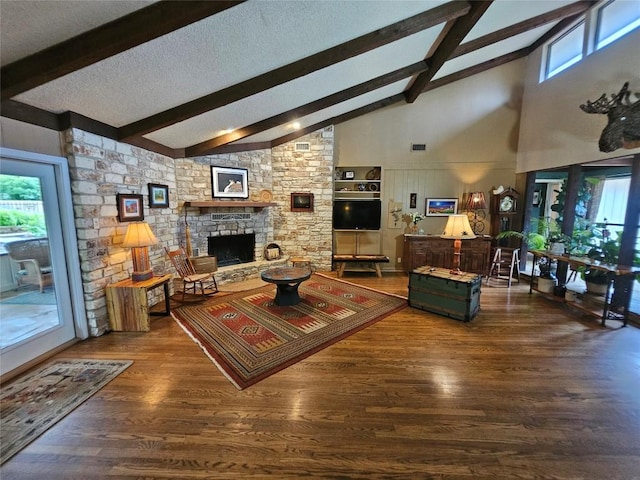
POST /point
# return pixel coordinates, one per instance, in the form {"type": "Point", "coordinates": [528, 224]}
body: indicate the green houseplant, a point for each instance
{"type": "Point", "coordinates": [605, 248]}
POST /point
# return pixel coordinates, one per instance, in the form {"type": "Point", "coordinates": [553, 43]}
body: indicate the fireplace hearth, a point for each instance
{"type": "Point", "coordinates": [232, 249]}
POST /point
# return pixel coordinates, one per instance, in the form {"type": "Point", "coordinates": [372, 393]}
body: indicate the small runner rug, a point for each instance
{"type": "Point", "coordinates": [32, 404]}
{"type": "Point", "coordinates": [249, 338]}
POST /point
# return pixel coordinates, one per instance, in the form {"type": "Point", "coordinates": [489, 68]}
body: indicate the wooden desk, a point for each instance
{"type": "Point", "coordinates": [128, 304]}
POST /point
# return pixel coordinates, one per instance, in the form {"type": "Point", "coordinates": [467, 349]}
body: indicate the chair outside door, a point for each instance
{"type": "Point", "coordinates": [190, 278]}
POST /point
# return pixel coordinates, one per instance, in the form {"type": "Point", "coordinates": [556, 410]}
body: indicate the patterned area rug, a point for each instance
{"type": "Point", "coordinates": [250, 338]}
{"type": "Point", "coordinates": [32, 404]}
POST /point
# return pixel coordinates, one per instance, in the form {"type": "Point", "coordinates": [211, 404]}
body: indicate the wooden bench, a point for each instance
{"type": "Point", "coordinates": [341, 262]}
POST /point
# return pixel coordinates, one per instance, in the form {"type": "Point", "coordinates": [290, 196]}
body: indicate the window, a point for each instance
{"type": "Point", "coordinates": [616, 19]}
{"type": "Point", "coordinates": [608, 22]}
{"type": "Point", "coordinates": [565, 51]}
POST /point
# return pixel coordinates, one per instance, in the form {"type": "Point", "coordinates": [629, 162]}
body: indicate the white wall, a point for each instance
{"type": "Point", "coordinates": [554, 130]}
{"type": "Point", "coordinates": [470, 128]}
{"type": "Point", "coordinates": [29, 138]}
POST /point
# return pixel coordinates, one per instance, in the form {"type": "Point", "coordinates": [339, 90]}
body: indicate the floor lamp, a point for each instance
{"type": "Point", "coordinates": [138, 237]}
{"type": "Point", "coordinates": [457, 229]}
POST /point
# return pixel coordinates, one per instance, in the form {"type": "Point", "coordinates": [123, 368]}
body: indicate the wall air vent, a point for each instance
{"type": "Point", "coordinates": [302, 147]}
{"type": "Point", "coordinates": [418, 147]}
{"type": "Point", "coordinates": [221, 217]}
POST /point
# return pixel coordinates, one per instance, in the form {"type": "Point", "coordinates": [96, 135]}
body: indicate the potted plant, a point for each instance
{"type": "Point", "coordinates": [605, 248]}
{"type": "Point", "coordinates": [542, 234]}
{"type": "Point", "coordinates": [415, 217]}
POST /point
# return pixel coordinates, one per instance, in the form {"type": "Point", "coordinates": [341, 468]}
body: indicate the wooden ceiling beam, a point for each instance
{"type": "Point", "coordinates": [305, 66]}
{"type": "Point", "coordinates": [205, 147]}
{"type": "Point", "coordinates": [521, 27]}
{"type": "Point", "coordinates": [479, 68]}
{"type": "Point", "coordinates": [240, 147]}
{"type": "Point", "coordinates": [385, 102]}
{"type": "Point", "coordinates": [26, 113]}
{"type": "Point", "coordinates": [105, 41]}
{"type": "Point", "coordinates": [452, 40]}
{"type": "Point", "coordinates": [495, 62]}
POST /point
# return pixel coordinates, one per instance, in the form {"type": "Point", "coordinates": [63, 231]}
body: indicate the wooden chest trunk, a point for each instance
{"type": "Point", "coordinates": [439, 291]}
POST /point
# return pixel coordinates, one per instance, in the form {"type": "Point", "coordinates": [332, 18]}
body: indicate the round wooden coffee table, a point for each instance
{"type": "Point", "coordinates": [287, 280]}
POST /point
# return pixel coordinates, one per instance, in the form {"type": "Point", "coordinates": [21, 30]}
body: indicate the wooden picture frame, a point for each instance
{"type": "Point", "coordinates": [229, 182]}
{"type": "Point", "coordinates": [130, 208]}
{"type": "Point", "coordinates": [158, 195]}
{"type": "Point", "coordinates": [440, 207]}
{"type": "Point", "coordinates": [413, 200]}
{"type": "Point", "coordinates": [301, 202]}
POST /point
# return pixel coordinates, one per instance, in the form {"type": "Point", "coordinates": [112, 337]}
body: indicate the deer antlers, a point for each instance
{"type": "Point", "coordinates": [603, 105]}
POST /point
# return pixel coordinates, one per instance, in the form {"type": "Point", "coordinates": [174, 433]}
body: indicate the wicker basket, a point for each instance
{"type": "Point", "coordinates": [272, 252]}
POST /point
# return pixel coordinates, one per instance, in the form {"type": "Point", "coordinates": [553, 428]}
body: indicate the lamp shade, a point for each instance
{"type": "Point", "coordinates": [139, 234]}
{"type": "Point", "coordinates": [458, 228]}
{"type": "Point", "coordinates": [476, 201]}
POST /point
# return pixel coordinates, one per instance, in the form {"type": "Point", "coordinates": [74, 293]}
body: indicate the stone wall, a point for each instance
{"type": "Point", "coordinates": [101, 168]}
{"type": "Point", "coordinates": [194, 183]}
{"type": "Point", "coordinates": [304, 233]}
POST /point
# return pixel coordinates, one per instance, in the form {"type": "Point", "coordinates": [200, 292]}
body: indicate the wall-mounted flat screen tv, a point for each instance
{"type": "Point", "coordinates": [356, 214]}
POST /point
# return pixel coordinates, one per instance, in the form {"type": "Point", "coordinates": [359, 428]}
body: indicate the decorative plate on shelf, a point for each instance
{"type": "Point", "coordinates": [373, 174]}
{"type": "Point", "coordinates": [266, 196]}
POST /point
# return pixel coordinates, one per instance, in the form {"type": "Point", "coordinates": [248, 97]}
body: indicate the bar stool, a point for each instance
{"type": "Point", "coordinates": [505, 258]}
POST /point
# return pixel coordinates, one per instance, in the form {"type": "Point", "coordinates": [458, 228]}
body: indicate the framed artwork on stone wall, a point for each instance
{"type": "Point", "coordinates": [302, 202]}
{"type": "Point", "coordinates": [158, 196]}
{"type": "Point", "coordinates": [229, 182]}
{"type": "Point", "coordinates": [130, 207]}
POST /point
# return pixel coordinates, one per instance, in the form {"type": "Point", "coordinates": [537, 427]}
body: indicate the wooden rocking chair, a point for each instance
{"type": "Point", "coordinates": [190, 278]}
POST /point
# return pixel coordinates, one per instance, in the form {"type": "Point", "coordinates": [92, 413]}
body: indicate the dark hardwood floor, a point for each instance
{"type": "Point", "coordinates": [527, 390]}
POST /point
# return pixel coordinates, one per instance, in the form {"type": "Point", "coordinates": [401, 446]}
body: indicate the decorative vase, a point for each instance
{"type": "Point", "coordinates": [414, 228]}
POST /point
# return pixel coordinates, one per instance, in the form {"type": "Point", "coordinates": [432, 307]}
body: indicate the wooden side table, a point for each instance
{"type": "Point", "coordinates": [287, 280]}
{"type": "Point", "coordinates": [128, 304]}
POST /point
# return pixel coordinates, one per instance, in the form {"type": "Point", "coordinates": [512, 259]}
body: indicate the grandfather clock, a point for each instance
{"type": "Point", "coordinates": [504, 210]}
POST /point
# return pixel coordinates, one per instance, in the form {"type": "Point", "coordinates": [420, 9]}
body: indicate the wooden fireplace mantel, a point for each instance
{"type": "Point", "coordinates": [206, 204]}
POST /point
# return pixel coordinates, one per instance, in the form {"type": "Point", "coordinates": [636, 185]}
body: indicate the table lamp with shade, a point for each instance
{"type": "Point", "coordinates": [139, 237]}
{"type": "Point", "coordinates": [457, 229]}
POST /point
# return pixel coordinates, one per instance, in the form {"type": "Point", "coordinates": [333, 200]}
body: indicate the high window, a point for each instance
{"type": "Point", "coordinates": [608, 22]}
{"type": "Point", "coordinates": [565, 51]}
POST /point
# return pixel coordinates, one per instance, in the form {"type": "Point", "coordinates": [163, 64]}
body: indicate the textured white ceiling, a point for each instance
{"type": "Point", "coordinates": [233, 46]}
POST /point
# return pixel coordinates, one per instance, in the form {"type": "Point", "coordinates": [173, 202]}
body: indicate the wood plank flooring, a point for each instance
{"type": "Point", "coordinates": [527, 390]}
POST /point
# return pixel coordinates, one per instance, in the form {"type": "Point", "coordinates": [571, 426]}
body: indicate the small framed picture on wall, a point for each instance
{"type": "Point", "coordinates": [130, 207]}
{"type": "Point", "coordinates": [441, 207]}
{"type": "Point", "coordinates": [302, 202]}
{"type": "Point", "coordinates": [158, 195]}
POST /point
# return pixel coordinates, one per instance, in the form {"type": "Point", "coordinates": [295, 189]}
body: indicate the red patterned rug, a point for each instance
{"type": "Point", "coordinates": [250, 338]}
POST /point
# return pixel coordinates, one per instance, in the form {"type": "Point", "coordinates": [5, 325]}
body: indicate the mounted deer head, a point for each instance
{"type": "Point", "coordinates": [623, 127]}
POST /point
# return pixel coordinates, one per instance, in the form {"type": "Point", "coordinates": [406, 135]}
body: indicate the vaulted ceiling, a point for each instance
{"type": "Point", "coordinates": [195, 78]}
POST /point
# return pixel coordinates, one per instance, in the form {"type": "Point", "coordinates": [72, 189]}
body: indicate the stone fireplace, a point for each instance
{"type": "Point", "coordinates": [232, 249]}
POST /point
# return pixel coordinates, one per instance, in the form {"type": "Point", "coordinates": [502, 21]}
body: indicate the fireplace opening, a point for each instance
{"type": "Point", "coordinates": [232, 249]}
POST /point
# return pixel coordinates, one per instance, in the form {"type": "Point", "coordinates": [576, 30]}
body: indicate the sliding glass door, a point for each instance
{"type": "Point", "coordinates": [36, 308]}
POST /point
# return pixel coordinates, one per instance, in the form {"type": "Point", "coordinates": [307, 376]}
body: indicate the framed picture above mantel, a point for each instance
{"type": "Point", "coordinates": [229, 182]}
